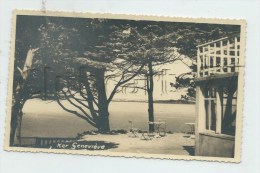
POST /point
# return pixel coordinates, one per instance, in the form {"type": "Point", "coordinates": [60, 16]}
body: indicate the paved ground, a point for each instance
{"type": "Point", "coordinates": [177, 144]}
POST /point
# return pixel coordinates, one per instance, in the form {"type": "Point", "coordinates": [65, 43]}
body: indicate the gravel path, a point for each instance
{"type": "Point", "coordinates": [176, 144]}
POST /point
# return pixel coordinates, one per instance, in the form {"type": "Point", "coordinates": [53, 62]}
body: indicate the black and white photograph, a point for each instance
{"type": "Point", "coordinates": [122, 85]}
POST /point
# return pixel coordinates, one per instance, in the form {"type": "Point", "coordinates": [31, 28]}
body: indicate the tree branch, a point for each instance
{"type": "Point", "coordinates": [75, 113]}
{"type": "Point", "coordinates": [80, 108]}
{"type": "Point", "coordinates": [123, 82]}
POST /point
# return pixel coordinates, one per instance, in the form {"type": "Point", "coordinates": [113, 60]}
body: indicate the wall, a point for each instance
{"type": "Point", "coordinates": [215, 145]}
{"type": "Point", "coordinates": [162, 83]}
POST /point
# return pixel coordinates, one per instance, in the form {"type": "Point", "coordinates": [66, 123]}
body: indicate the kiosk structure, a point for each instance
{"type": "Point", "coordinates": [216, 97]}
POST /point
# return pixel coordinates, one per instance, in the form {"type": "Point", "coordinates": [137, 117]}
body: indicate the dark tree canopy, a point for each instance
{"type": "Point", "coordinates": [66, 43]}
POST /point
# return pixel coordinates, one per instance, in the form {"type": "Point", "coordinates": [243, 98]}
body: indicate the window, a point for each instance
{"type": "Point", "coordinates": [210, 107]}
{"type": "Point", "coordinates": [220, 103]}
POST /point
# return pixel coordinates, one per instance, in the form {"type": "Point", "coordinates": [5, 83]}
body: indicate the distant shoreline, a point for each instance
{"type": "Point", "coordinates": [159, 101]}
{"type": "Point", "coordinates": [143, 101]}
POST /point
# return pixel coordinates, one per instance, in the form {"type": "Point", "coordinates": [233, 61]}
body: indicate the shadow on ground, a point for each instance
{"type": "Point", "coordinates": [190, 150]}
{"type": "Point", "coordinates": [186, 136]}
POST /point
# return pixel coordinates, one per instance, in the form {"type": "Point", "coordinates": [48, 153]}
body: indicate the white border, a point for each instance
{"type": "Point", "coordinates": [242, 24]}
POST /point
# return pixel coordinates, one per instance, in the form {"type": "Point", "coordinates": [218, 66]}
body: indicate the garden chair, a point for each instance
{"type": "Point", "coordinates": [146, 135]}
{"type": "Point", "coordinates": [133, 132]}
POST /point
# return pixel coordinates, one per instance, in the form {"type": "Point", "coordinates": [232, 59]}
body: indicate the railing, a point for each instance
{"type": "Point", "coordinates": [218, 57]}
{"type": "Point", "coordinates": [43, 142]}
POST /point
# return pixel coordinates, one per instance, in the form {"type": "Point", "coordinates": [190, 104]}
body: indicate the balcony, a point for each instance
{"type": "Point", "coordinates": [218, 57]}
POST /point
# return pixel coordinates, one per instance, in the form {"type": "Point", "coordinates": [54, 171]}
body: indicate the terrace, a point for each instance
{"type": "Point", "coordinates": [217, 91]}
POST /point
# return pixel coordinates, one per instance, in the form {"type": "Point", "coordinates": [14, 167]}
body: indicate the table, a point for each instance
{"type": "Point", "coordinates": [192, 128]}
{"type": "Point", "coordinates": [158, 127]}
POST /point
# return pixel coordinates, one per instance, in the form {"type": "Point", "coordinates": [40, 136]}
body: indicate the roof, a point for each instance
{"type": "Point", "coordinates": [217, 77]}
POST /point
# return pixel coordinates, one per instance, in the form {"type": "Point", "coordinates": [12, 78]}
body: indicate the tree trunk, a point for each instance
{"type": "Point", "coordinates": [15, 121]}
{"type": "Point", "coordinates": [103, 123]}
{"type": "Point", "coordinates": [150, 86]}
{"type": "Point", "coordinates": [19, 99]}
{"type": "Point", "coordinates": [90, 98]}
{"type": "Point", "coordinates": [228, 117]}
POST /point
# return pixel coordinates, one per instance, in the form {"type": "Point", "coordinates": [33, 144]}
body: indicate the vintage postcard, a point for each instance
{"type": "Point", "coordinates": [126, 85]}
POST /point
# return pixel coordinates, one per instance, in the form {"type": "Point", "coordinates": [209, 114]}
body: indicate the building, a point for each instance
{"type": "Point", "coordinates": [134, 89]}
{"type": "Point", "coordinates": [218, 66]}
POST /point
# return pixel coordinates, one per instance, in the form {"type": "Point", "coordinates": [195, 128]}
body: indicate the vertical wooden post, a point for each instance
{"type": "Point", "coordinates": [221, 56]}
{"type": "Point", "coordinates": [200, 117]}
{"type": "Point", "coordinates": [208, 60]}
{"type": "Point", "coordinates": [228, 57]}
{"type": "Point", "coordinates": [203, 60]}
{"type": "Point", "coordinates": [200, 109]}
{"type": "Point", "coordinates": [219, 110]}
{"type": "Point", "coordinates": [215, 59]}
{"type": "Point", "coordinates": [209, 111]}
{"type": "Point", "coordinates": [198, 62]}
{"type": "Point", "coordinates": [236, 55]}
